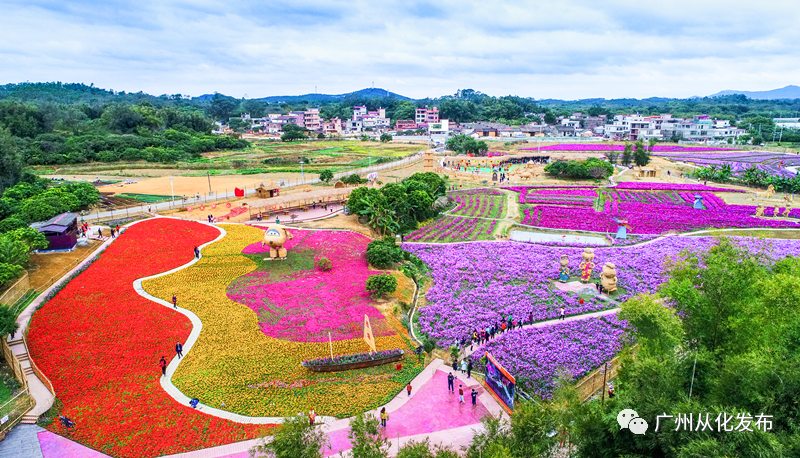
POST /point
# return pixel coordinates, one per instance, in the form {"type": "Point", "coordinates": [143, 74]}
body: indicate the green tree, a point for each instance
{"type": "Point", "coordinates": [656, 326]}
{"type": "Point", "coordinates": [12, 164]}
{"type": "Point", "coordinates": [292, 132]}
{"type": "Point", "coordinates": [8, 320]}
{"type": "Point", "coordinates": [423, 449]}
{"type": "Point", "coordinates": [385, 138]}
{"type": "Point", "coordinates": [9, 272]}
{"type": "Point", "coordinates": [365, 435]}
{"type": "Point", "coordinates": [356, 203]}
{"type": "Point", "coordinates": [326, 175]}
{"type": "Point", "coordinates": [641, 156]}
{"type": "Point", "coordinates": [295, 438]}
{"type": "Point", "coordinates": [13, 251]}
{"type": "Point", "coordinates": [611, 155]}
{"type": "Point", "coordinates": [34, 239]}
{"type": "Point", "coordinates": [381, 284]}
{"type": "Point", "coordinates": [627, 155]}
{"type": "Point", "coordinates": [379, 215]}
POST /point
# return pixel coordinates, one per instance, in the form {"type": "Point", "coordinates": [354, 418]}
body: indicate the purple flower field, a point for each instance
{"type": "Point", "coordinates": [454, 229]}
{"type": "Point", "coordinates": [774, 163]}
{"type": "Point", "coordinates": [478, 205]}
{"type": "Point", "coordinates": [477, 284]}
{"type": "Point", "coordinates": [535, 355]}
{"type": "Point", "coordinates": [606, 147]}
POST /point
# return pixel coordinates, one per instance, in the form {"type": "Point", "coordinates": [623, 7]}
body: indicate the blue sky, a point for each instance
{"type": "Point", "coordinates": [541, 49]}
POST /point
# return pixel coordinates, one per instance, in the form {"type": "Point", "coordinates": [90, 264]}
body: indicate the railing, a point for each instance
{"type": "Point", "coordinates": [13, 363]}
{"type": "Point", "coordinates": [167, 204]}
{"type": "Point", "coordinates": [16, 408]}
{"type": "Point", "coordinates": [593, 382]}
{"type": "Point", "coordinates": [15, 291]}
{"type": "Point", "coordinates": [56, 277]}
{"type": "Point", "coordinates": [46, 381]}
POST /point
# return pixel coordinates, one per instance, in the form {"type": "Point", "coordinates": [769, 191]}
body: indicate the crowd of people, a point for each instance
{"type": "Point", "coordinates": [503, 324]}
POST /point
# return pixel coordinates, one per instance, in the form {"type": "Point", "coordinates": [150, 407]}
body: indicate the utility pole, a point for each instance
{"type": "Point", "coordinates": [301, 171]}
{"type": "Point", "coordinates": [208, 175]}
{"type": "Point", "coordinates": [173, 191]}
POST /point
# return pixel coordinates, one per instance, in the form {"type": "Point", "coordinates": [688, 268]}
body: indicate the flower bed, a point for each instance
{"type": "Point", "coordinates": [577, 346]}
{"type": "Point", "coordinates": [295, 301]}
{"type": "Point", "coordinates": [607, 147]}
{"type": "Point", "coordinates": [773, 163]}
{"type": "Point", "coordinates": [450, 229]}
{"type": "Point", "coordinates": [234, 362]}
{"type": "Point", "coordinates": [476, 284]}
{"type": "Point", "coordinates": [665, 207]}
{"type": "Point", "coordinates": [99, 343]}
{"type": "Point", "coordinates": [354, 361]}
{"type": "Point", "coordinates": [477, 205]}
{"type": "Point", "coordinates": [647, 186]}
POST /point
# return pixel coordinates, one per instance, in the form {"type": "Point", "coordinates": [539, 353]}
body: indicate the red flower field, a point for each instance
{"type": "Point", "coordinates": [99, 343]}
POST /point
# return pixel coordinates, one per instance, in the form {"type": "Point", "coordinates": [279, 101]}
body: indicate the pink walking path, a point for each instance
{"type": "Point", "coordinates": [431, 411]}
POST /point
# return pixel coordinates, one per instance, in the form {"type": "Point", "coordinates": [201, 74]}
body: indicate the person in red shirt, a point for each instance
{"type": "Point", "coordinates": [408, 389]}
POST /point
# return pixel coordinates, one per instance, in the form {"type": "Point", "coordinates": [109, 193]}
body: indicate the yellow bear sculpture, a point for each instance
{"type": "Point", "coordinates": [275, 237]}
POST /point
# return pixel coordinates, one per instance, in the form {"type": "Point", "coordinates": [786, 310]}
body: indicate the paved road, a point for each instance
{"type": "Point", "coordinates": [22, 442]}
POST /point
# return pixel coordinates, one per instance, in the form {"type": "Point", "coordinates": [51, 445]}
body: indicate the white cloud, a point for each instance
{"type": "Point", "coordinates": [567, 50]}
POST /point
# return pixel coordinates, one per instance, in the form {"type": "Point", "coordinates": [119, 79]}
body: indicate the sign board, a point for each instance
{"type": "Point", "coordinates": [3, 420]}
{"type": "Point", "coordinates": [500, 381]}
{"type": "Point", "coordinates": [368, 337]}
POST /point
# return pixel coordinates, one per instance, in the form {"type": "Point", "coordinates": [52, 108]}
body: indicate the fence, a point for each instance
{"type": "Point", "coordinates": [16, 291]}
{"type": "Point", "coordinates": [12, 411]}
{"type": "Point", "coordinates": [13, 363]}
{"type": "Point", "coordinates": [141, 209]}
{"type": "Point", "coordinates": [595, 381]}
{"type": "Point", "coordinates": [43, 378]}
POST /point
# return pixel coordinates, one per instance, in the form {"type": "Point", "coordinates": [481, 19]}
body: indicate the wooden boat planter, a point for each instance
{"type": "Point", "coordinates": [334, 366]}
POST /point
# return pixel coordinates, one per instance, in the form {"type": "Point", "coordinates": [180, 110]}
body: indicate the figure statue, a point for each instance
{"type": "Point", "coordinates": [698, 202]}
{"type": "Point", "coordinates": [587, 265]}
{"type": "Point", "coordinates": [563, 271]}
{"type": "Point", "coordinates": [760, 210]}
{"type": "Point", "coordinates": [622, 229]}
{"type": "Point", "coordinates": [608, 278]}
{"type": "Point", "coordinates": [275, 237]}
{"type": "Point", "coordinates": [787, 210]}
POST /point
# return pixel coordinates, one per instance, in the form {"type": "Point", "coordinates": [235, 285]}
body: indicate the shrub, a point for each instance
{"type": "Point", "coordinates": [323, 264]}
{"type": "Point", "coordinates": [382, 253]}
{"type": "Point", "coordinates": [381, 284]}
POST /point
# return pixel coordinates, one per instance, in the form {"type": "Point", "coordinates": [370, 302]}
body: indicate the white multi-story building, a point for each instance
{"type": "Point", "coordinates": [363, 119]}
{"type": "Point", "coordinates": [665, 127]}
{"type": "Point", "coordinates": [787, 123]}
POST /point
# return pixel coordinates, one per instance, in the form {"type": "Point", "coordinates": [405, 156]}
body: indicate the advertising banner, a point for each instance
{"type": "Point", "coordinates": [500, 381]}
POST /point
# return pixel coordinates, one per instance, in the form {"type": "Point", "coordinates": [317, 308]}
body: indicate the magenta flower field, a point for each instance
{"type": "Point", "coordinates": [606, 147]}
{"type": "Point", "coordinates": [306, 304]}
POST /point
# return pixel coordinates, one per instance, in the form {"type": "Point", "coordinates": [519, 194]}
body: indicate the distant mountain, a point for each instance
{"type": "Point", "coordinates": [367, 93]}
{"type": "Point", "coordinates": [788, 92]}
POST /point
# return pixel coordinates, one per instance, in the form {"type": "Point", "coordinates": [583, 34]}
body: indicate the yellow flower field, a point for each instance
{"type": "Point", "coordinates": [235, 363]}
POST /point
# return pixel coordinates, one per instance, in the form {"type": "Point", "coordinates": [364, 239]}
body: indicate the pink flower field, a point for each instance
{"type": "Point", "coordinates": [303, 304]}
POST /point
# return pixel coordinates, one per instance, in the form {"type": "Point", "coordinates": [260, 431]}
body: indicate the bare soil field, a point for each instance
{"type": "Point", "coordinates": [44, 267]}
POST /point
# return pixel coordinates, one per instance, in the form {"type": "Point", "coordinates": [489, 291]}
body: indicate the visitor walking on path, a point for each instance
{"type": "Point", "coordinates": [384, 416]}
{"type": "Point", "coordinates": [174, 301]}
{"type": "Point", "coordinates": [563, 316]}
{"type": "Point", "coordinates": [408, 389]}
{"type": "Point", "coordinates": [461, 394]}
{"type": "Point", "coordinates": [112, 233]}
{"type": "Point", "coordinates": [474, 395]}
{"type": "Point", "coordinates": [179, 349]}
{"type": "Point", "coordinates": [469, 369]}
{"type": "Point", "coordinates": [450, 384]}
{"type": "Point", "coordinates": [117, 229]}
{"type": "Point", "coordinates": [163, 364]}
{"type": "Point", "coordinates": [464, 365]}
{"type": "Point", "coordinates": [312, 417]}
{"type": "Point", "coordinates": [196, 252]}
{"type": "Point", "coordinates": [455, 365]}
